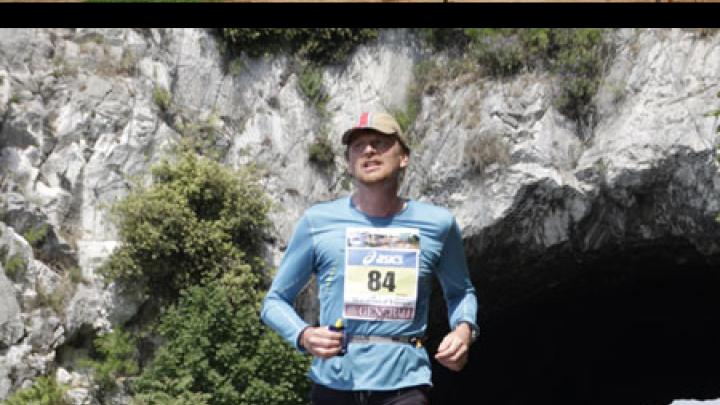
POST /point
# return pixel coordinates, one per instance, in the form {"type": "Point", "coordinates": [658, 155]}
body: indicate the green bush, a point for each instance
{"type": "Point", "coordinates": [578, 62]}
{"type": "Point", "coordinates": [444, 38]}
{"type": "Point", "coordinates": [197, 221]}
{"type": "Point", "coordinates": [257, 41]}
{"type": "Point", "coordinates": [498, 51]}
{"type": "Point", "coordinates": [45, 391]}
{"type": "Point", "coordinates": [117, 357]}
{"type": "Point", "coordinates": [406, 117]}
{"type": "Point", "coordinates": [321, 45]}
{"type": "Point", "coordinates": [76, 276]}
{"type": "Point", "coordinates": [128, 63]}
{"type": "Point", "coordinates": [321, 153]}
{"type": "Point", "coordinates": [15, 267]}
{"type": "Point", "coordinates": [36, 235]}
{"type": "Point", "coordinates": [575, 56]}
{"type": "Point", "coordinates": [162, 98]}
{"type": "Point", "coordinates": [163, 398]}
{"type": "Point", "coordinates": [217, 346]}
{"type": "Point", "coordinates": [236, 66]}
{"type": "Point", "coordinates": [194, 237]}
{"type": "Point", "coordinates": [311, 85]}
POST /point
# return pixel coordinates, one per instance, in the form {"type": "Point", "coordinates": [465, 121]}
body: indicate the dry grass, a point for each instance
{"type": "Point", "coordinates": [483, 151]}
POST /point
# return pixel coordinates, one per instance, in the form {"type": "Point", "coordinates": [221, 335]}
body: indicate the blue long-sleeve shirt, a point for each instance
{"type": "Point", "coordinates": [318, 246]}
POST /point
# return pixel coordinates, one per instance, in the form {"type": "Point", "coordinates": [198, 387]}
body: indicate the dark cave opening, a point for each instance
{"type": "Point", "coordinates": [640, 326]}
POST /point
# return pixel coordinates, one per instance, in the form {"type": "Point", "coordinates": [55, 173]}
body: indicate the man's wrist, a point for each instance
{"type": "Point", "coordinates": [470, 330]}
{"type": "Point", "coordinates": [300, 344]}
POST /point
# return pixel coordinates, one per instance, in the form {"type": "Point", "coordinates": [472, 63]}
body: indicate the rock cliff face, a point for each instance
{"type": "Point", "coordinates": [571, 235]}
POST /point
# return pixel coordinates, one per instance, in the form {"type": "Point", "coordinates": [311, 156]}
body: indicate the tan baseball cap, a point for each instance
{"type": "Point", "coordinates": [380, 122]}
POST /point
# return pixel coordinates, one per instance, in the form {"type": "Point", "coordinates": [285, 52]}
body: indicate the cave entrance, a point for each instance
{"type": "Point", "coordinates": [645, 332]}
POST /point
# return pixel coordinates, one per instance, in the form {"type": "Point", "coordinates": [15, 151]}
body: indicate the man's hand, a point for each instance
{"type": "Point", "coordinates": [321, 341]}
{"type": "Point", "coordinates": [453, 350]}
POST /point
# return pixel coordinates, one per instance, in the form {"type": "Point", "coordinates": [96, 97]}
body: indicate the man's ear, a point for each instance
{"type": "Point", "coordinates": [348, 168]}
{"type": "Point", "coordinates": [404, 161]}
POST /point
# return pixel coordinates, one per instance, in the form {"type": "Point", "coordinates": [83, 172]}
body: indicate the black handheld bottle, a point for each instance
{"type": "Point", "coordinates": [339, 327]}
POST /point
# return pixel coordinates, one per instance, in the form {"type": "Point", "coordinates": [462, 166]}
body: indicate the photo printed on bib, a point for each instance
{"type": "Point", "coordinates": [381, 273]}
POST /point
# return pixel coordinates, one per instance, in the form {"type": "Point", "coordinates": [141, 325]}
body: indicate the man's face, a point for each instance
{"type": "Point", "coordinates": [374, 157]}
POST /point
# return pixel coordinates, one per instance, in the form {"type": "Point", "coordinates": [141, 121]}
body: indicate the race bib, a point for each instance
{"type": "Point", "coordinates": [381, 273]}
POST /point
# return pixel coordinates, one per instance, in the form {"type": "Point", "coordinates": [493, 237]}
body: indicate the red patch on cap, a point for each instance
{"type": "Point", "coordinates": [364, 120]}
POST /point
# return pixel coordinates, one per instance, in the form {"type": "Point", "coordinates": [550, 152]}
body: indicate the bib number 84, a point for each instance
{"type": "Point", "coordinates": [374, 280]}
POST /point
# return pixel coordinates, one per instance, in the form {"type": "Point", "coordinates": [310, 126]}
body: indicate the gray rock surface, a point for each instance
{"type": "Point", "coordinates": [11, 325]}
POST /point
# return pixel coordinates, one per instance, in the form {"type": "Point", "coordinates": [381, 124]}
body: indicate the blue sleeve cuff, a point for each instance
{"type": "Point", "coordinates": [470, 322]}
{"type": "Point", "coordinates": [297, 340]}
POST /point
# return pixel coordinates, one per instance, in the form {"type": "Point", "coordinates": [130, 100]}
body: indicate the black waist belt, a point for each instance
{"type": "Point", "coordinates": [412, 340]}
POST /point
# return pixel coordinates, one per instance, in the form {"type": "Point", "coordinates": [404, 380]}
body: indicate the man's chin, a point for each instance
{"type": "Point", "coordinates": [372, 180]}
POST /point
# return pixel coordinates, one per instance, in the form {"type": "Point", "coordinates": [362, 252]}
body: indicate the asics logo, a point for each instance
{"type": "Point", "coordinates": [369, 257]}
{"type": "Point", "coordinates": [374, 257]}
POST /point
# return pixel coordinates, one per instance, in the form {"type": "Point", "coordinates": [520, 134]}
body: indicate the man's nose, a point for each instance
{"type": "Point", "coordinates": [370, 147]}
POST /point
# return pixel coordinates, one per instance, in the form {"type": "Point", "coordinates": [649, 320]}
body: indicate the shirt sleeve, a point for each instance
{"type": "Point", "coordinates": [455, 281]}
{"type": "Point", "coordinates": [294, 272]}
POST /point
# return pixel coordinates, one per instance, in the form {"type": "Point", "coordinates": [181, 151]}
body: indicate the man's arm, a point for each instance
{"type": "Point", "coordinates": [461, 302]}
{"type": "Point", "coordinates": [294, 272]}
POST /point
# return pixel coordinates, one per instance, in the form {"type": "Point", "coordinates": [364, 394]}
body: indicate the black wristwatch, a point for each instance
{"type": "Point", "coordinates": [473, 331]}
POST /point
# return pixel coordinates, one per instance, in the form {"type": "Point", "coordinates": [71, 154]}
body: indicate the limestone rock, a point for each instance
{"type": "Point", "coordinates": [45, 331]}
{"type": "Point", "coordinates": [11, 325]}
{"type": "Point", "coordinates": [62, 376]}
{"type": "Point", "coordinates": [83, 310]}
{"type": "Point", "coordinates": [80, 396]}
